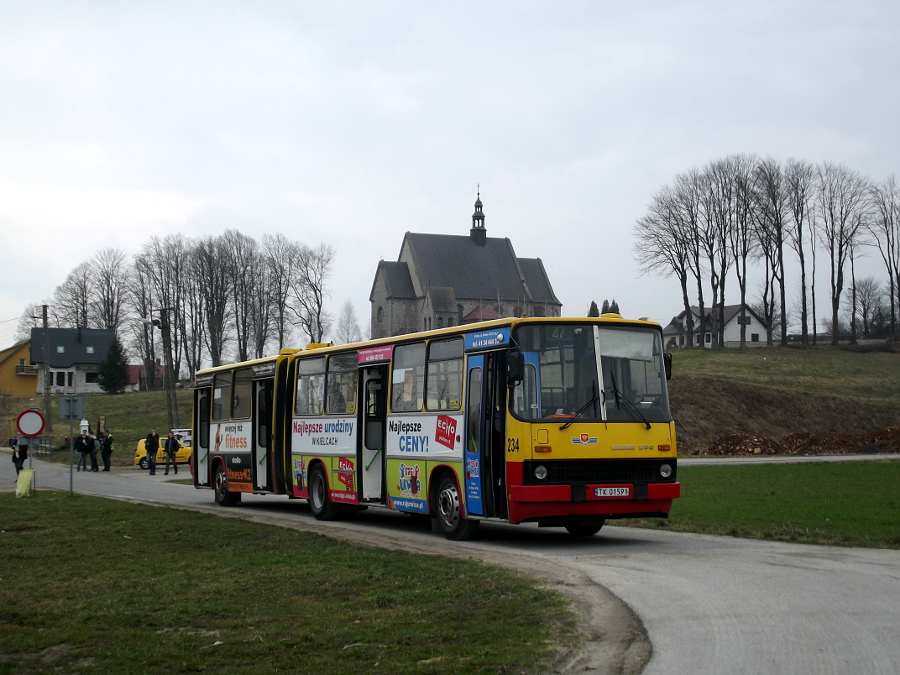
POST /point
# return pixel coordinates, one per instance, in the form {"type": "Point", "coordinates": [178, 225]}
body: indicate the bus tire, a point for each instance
{"type": "Point", "coordinates": [224, 497]}
{"type": "Point", "coordinates": [448, 513]}
{"type": "Point", "coordinates": [585, 529]}
{"type": "Point", "coordinates": [319, 503]}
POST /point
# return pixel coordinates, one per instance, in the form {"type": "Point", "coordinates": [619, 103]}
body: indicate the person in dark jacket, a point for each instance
{"type": "Point", "coordinates": [106, 448]}
{"type": "Point", "coordinates": [151, 445]}
{"type": "Point", "coordinates": [83, 448]}
{"type": "Point", "coordinates": [20, 453]}
{"type": "Point", "coordinates": [172, 446]}
{"type": "Point", "coordinates": [94, 444]}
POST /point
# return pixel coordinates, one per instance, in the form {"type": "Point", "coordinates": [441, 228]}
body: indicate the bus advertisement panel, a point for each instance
{"type": "Point", "coordinates": [233, 444]}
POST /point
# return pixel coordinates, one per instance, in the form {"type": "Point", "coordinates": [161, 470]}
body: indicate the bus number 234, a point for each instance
{"type": "Point", "coordinates": [512, 444]}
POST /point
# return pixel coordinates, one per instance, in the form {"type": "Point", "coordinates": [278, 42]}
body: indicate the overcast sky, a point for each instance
{"type": "Point", "coordinates": [352, 123]}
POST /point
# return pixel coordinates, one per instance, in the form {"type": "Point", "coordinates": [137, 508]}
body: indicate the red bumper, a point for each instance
{"type": "Point", "coordinates": [533, 502]}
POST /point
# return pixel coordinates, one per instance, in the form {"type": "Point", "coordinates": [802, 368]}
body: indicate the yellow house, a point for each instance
{"type": "Point", "coordinates": [18, 377]}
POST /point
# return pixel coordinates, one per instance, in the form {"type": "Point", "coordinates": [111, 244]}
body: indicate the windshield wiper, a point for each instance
{"type": "Point", "coordinates": [626, 404]}
{"type": "Point", "coordinates": [581, 410]}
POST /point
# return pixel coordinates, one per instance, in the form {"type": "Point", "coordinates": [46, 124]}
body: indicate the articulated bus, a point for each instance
{"type": "Point", "coordinates": [555, 421]}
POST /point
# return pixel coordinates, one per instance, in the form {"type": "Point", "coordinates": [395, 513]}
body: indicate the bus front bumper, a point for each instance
{"type": "Point", "coordinates": [531, 502]}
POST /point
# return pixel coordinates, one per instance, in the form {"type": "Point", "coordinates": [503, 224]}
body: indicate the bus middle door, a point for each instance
{"type": "Point", "coordinates": [371, 421]}
{"type": "Point", "coordinates": [262, 432]}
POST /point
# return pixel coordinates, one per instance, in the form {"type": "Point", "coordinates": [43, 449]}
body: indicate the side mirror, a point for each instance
{"type": "Point", "coordinates": [515, 368]}
{"type": "Point", "coordinates": [667, 362]}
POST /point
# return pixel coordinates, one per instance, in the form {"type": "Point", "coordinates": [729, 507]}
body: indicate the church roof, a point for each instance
{"type": "Point", "coordinates": [486, 271]}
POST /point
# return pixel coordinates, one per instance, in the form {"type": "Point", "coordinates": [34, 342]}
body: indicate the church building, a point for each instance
{"type": "Point", "coordinates": [444, 280]}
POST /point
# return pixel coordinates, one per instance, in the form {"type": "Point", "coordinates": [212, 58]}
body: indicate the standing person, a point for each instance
{"type": "Point", "coordinates": [106, 448]}
{"type": "Point", "coordinates": [172, 445]}
{"type": "Point", "coordinates": [20, 453]}
{"type": "Point", "coordinates": [82, 447]}
{"type": "Point", "coordinates": [151, 445]}
{"type": "Point", "coordinates": [93, 445]}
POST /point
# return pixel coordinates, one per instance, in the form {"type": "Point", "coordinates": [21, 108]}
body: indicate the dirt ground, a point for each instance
{"type": "Point", "coordinates": [715, 417]}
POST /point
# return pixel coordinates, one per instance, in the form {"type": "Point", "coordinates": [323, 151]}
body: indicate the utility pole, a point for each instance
{"type": "Point", "coordinates": [171, 401]}
{"type": "Point", "coordinates": [47, 413]}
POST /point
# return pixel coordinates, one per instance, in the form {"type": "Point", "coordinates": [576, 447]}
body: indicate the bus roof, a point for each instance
{"type": "Point", "coordinates": [437, 332]}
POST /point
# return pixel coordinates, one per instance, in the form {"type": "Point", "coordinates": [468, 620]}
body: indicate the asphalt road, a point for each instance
{"type": "Point", "coordinates": [680, 603]}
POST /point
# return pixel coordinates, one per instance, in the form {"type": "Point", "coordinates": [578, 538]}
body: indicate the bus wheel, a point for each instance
{"type": "Point", "coordinates": [224, 497]}
{"type": "Point", "coordinates": [448, 514]}
{"type": "Point", "coordinates": [586, 529]}
{"type": "Point", "coordinates": [322, 507]}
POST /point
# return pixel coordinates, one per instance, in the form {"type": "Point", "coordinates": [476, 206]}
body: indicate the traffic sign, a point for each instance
{"type": "Point", "coordinates": [30, 423]}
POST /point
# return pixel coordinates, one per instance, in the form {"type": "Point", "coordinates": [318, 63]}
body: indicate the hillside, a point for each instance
{"type": "Point", "coordinates": [714, 416]}
{"type": "Point", "coordinates": [783, 400]}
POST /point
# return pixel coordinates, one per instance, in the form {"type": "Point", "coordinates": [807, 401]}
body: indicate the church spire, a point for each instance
{"type": "Point", "coordinates": [478, 234]}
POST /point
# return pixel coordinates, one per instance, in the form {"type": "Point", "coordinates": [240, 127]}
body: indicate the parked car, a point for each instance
{"type": "Point", "coordinates": [183, 456]}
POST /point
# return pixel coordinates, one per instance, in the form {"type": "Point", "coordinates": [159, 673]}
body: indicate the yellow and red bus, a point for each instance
{"type": "Point", "coordinates": [556, 421]}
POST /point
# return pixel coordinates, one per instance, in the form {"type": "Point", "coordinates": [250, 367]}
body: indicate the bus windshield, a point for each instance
{"type": "Point", "coordinates": [594, 373]}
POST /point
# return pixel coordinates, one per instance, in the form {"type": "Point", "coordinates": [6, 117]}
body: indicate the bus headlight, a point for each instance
{"type": "Point", "coordinates": [665, 470]}
{"type": "Point", "coordinates": [540, 472]}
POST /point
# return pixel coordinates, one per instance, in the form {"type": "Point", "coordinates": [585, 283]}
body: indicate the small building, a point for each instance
{"type": "Point", "coordinates": [73, 364]}
{"type": "Point", "coordinates": [444, 280]}
{"type": "Point", "coordinates": [18, 376]}
{"type": "Point", "coordinates": [138, 380]}
{"type": "Point", "coordinates": [675, 334]}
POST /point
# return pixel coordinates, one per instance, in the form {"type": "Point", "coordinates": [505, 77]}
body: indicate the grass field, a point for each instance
{"type": "Point", "coordinates": [862, 374]}
{"type": "Point", "coordinates": [101, 586]}
{"type": "Point", "coordinates": [841, 503]}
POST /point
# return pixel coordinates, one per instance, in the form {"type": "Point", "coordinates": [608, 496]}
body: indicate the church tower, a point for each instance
{"type": "Point", "coordinates": [478, 234]}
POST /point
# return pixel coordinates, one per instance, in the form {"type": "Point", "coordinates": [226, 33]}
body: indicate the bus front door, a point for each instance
{"type": "Point", "coordinates": [371, 420]}
{"type": "Point", "coordinates": [485, 424]}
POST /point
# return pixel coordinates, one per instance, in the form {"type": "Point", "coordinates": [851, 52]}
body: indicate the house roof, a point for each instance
{"type": "Point", "coordinates": [731, 311]}
{"type": "Point", "coordinates": [71, 346]}
{"type": "Point", "coordinates": [481, 313]}
{"type": "Point", "coordinates": [10, 352]}
{"type": "Point", "coordinates": [476, 271]}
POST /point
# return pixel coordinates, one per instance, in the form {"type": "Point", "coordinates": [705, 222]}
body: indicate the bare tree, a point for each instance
{"type": "Point", "coordinates": [192, 324]}
{"type": "Point", "coordinates": [108, 304]}
{"type": "Point", "coordinates": [688, 207]}
{"type": "Point", "coordinates": [308, 290]}
{"type": "Point", "coordinates": [141, 298]}
{"type": "Point", "coordinates": [841, 203]}
{"type": "Point", "coordinates": [240, 255]}
{"type": "Point", "coordinates": [741, 238]}
{"type": "Point", "coordinates": [799, 179]}
{"type": "Point", "coordinates": [718, 198]}
{"type": "Point", "coordinates": [868, 303]}
{"type": "Point", "coordinates": [884, 228]}
{"type": "Point", "coordinates": [213, 277]}
{"type": "Point", "coordinates": [280, 258]}
{"type": "Point", "coordinates": [772, 230]}
{"type": "Point", "coordinates": [72, 298]}
{"type": "Point", "coordinates": [662, 242]}
{"type": "Point", "coordinates": [347, 330]}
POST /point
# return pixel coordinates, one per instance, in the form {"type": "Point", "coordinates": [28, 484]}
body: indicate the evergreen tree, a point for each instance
{"type": "Point", "coordinates": [593, 311]}
{"type": "Point", "coordinates": [614, 307]}
{"type": "Point", "coordinates": [113, 373]}
{"type": "Point", "coordinates": [605, 309]}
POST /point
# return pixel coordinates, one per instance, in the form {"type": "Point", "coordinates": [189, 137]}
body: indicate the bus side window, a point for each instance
{"type": "Point", "coordinates": [243, 393]}
{"type": "Point", "coordinates": [222, 396]}
{"type": "Point", "coordinates": [408, 381]}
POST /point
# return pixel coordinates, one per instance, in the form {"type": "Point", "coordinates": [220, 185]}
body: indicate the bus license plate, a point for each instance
{"type": "Point", "coordinates": [612, 492]}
